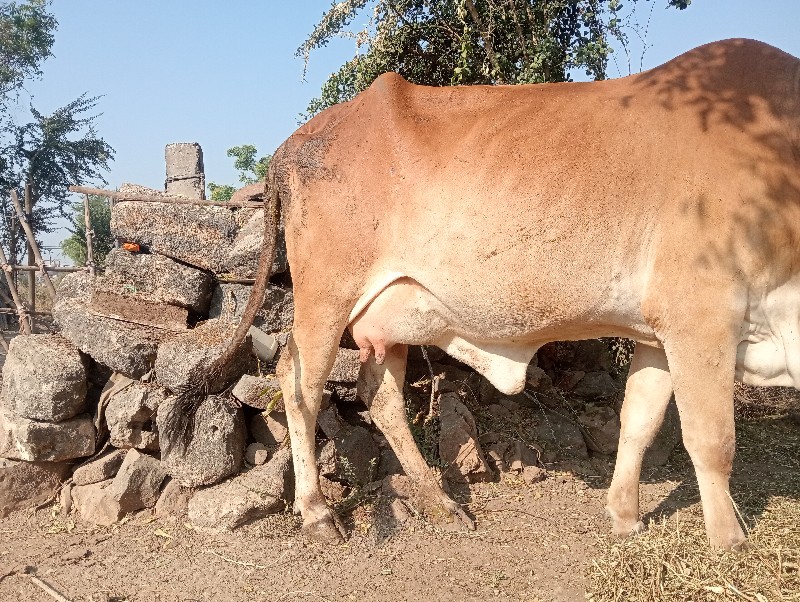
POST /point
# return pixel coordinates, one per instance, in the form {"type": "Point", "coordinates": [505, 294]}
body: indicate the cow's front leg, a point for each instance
{"type": "Point", "coordinates": [647, 395]}
{"type": "Point", "coordinates": [381, 388]}
{"type": "Point", "coordinates": [300, 375]}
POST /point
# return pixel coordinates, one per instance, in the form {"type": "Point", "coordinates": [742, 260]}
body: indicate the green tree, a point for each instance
{"type": "Point", "coordinates": [46, 156]}
{"type": "Point", "coordinates": [74, 247]}
{"type": "Point", "coordinates": [26, 38]}
{"type": "Point", "coordinates": [251, 170]}
{"type": "Point", "coordinates": [447, 42]}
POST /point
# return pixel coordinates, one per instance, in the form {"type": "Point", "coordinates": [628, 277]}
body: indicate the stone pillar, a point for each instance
{"type": "Point", "coordinates": [185, 173]}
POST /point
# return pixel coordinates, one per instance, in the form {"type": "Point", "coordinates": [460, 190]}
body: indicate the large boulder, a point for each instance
{"type": "Point", "coordinates": [156, 278]}
{"type": "Point", "coordinates": [185, 359]}
{"type": "Point", "coordinates": [216, 447]}
{"type": "Point", "coordinates": [276, 314]}
{"type": "Point", "coordinates": [44, 378]}
{"type": "Point", "coordinates": [122, 346]}
{"type": "Point", "coordinates": [252, 495]}
{"type": "Point", "coordinates": [198, 235]}
{"type": "Point", "coordinates": [242, 257]}
{"type": "Point", "coordinates": [25, 484]}
{"type": "Point", "coordinates": [34, 441]}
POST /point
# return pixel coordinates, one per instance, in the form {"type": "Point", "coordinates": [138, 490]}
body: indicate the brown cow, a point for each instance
{"type": "Point", "coordinates": [663, 207]}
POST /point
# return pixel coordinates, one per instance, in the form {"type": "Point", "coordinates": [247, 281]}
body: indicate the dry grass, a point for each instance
{"type": "Point", "coordinates": [672, 560]}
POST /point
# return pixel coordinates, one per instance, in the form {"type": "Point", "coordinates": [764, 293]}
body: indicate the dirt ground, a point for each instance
{"type": "Point", "coordinates": [533, 542]}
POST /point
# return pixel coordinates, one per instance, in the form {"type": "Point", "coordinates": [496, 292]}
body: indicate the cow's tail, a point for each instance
{"type": "Point", "coordinates": [179, 422]}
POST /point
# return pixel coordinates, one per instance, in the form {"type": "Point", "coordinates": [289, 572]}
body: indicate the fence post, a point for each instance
{"type": "Point", "coordinates": [32, 242]}
{"type": "Point", "coordinates": [24, 323]}
{"type": "Point", "coordinates": [29, 249]}
{"type": "Point", "coordinates": [89, 235]}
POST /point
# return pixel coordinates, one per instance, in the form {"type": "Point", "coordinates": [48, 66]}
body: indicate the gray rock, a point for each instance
{"type": "Point", "coordinates": [24, 439]}
{"type": "Point", "coordinates": [156, 278]}
{"type": "Point", "coordinates": [560, 436]}
{"type": "Point", "coordinates": [101, 468]}
{"type": "Point", "coordinates": [138, 482]}
{"type": "Point", "coordinates": [260, 491]}
{"type": "Point", "coordinates": [44, 378]}
{"type": "Point", "coordinates": [346, 366]}
{"type": "Point", "coordinates": [130, 415]}
{"type": "Point", "coordinates": [95, 505]}
{"type": "Point", "coordinates": [26, 484]}
{"type": "Point", "coordinates": [185, 359]}
{"type": "Point", "coordinates": [256, 454]}
{"type": "Point", "coordinates": [276, 314]}
{"type": "Point", "coordinates": [595, 385]}
{"type": "Point", "coordinates": [538, 380]}
{"type": "Point", "coordinates": [600, 425]}
{"type": "Point", "coordinates": [270, 429]}
{"type": "Point", "coordinates": [198, 235]}
{"type": "Point", "coordinates": [243, 255]}
{"type": "Point", "coordinates": [185, 172]}
{"type": "Point", "coordinates": [122, 346]}
{"type": "Point", "coordinates": [458, 443]}
{"type": "Point", "coordinates": [357, 455]}
{"type": "Point", "coordinates": [174, 500]}
{"type": "Point", "coordinates": [216, 448]}
{"type": "Point", "coordinates": [257, 391]}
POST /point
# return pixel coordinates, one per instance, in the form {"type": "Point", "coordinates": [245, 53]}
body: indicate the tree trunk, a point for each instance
{"type": "Point", "coordinates": [29, 250]}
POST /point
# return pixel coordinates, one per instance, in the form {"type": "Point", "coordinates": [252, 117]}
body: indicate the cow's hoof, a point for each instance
{"type": "Point", "coordinates": [326, 529]}
{"type": "Point", "coordinates": [442, 510]}
{"type": "Point", "coordinates": [626, 530]}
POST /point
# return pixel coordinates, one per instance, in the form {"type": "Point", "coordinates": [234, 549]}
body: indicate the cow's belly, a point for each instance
{"type": "Point", "coordinates": [769, 352]}
{"type": "Point", "coordinates": [405, 312]}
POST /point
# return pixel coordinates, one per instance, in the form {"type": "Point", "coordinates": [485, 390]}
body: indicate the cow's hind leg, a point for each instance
{"type": "Point", "coordinates": [647, 395]}
{"type": "Point", "coordinates": [381, 388]}
{"type": "Point", "coordinates": [702, 366]}
{"type": "Point", "coordinates": [302, 369]}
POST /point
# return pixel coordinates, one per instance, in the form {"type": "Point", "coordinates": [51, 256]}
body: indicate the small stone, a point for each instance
{"type": "Point", "coordinates": [270, 429]}
{"type": "Point", "coordinates": [601, 428]}
{"type": "Point", "coordinates": [560, 435]}
{"type": "Point", "coordinates": [138, 482]}
{"type": "Point", "coordinates": [26, 484]}
{"type": "Point", "coordinates": [329, 421]}
{"type": "Point", "coordinates": [538, 380]}
{"type": "Point", "coordinates": [34, 441]}
{"type": "Point", "coordinates": [595, 385]}
{"type": "Point", "coordinates": [499, 412]}
{"type": "Point", "coordinates": [174, 500]}
{"type": "Point", "coordinates": [352, 456]}
{"type": "Point", "coordinates": [258, 391]}
{"type": "Point", "coordinates": [215, 450]}
{"type": "Point", "coordinates": [94, 505]}
{"type": "Point", "coordinates": [346, 366]}
{"type": "Point", "coordinates": [130, 415]}
{"type": "Point", "coordinates": [458, 443]}
{"type": "Point", "coordinates": [256, 454]}
{"type": "Point", "coordinates": [76, 554]}
{"type": "Point", "coordinates": [44, 378]}
{"type": "Point", "coordinates": [533, 474]}
{"type": "Point", "coordinates": [333, 491]}
{"type": "Point", "coordinates": [186, 358]}
{"type": "Point", "coordinates": [100, 468]}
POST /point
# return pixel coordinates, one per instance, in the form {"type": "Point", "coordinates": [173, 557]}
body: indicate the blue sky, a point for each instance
{"type": "Point", "coordinates": [224, 73]}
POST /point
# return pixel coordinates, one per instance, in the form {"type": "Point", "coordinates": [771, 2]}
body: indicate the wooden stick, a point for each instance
{"type": "Point", "coordinates": [50, 268]}
{"type": "Point", "coordinates": [146, 198]}
{"type": "Point", "coordinates": [31, 259]}
{"type": "Point", "coordinates": [24, 324]}
{"type": "Point", "coordinates": [89, 235]}
{"type": "Point", "coordinates": [235, 280]}
{"type": "Point", "coordinates": [32, 240]}
{"type": "Point", "coordinates": [8, 310]}
{"type": "Point", "coordinates": [48, 589]}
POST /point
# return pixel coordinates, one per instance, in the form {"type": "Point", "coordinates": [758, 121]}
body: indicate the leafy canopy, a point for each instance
{"type": "Point", "coordinates": [26, 38]}
{"type": "Point", "coordinates": [74, 247]}
{"type": "Point", "coordinates": [448, 42]}
{"type": "Point", "coordinates": [251, 170]}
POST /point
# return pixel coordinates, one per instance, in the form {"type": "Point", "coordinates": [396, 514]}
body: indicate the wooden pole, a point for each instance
{"type": "Point", "coordinates": [24, 324]}
{"type": "Point", "coordinates": [32, 241]}
{"type": "Point", "coordinates": [29, 250]}
{"type": "Point", "coordinates": [87, 218]}
{"type": "Point", "coordinates": [50, 268]}
{"type": "Point", "coordinates": [146, 198]}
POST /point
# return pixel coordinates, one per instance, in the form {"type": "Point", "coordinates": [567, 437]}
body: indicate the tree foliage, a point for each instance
{"type": "Point", "coordinates": [448, 42]}
{"type": "Point", "coordinates": [26, 38]}
{"type": "Point", "coordinates": [74, 247]}
{"type": "Point", "coordinates": [251, 170]}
